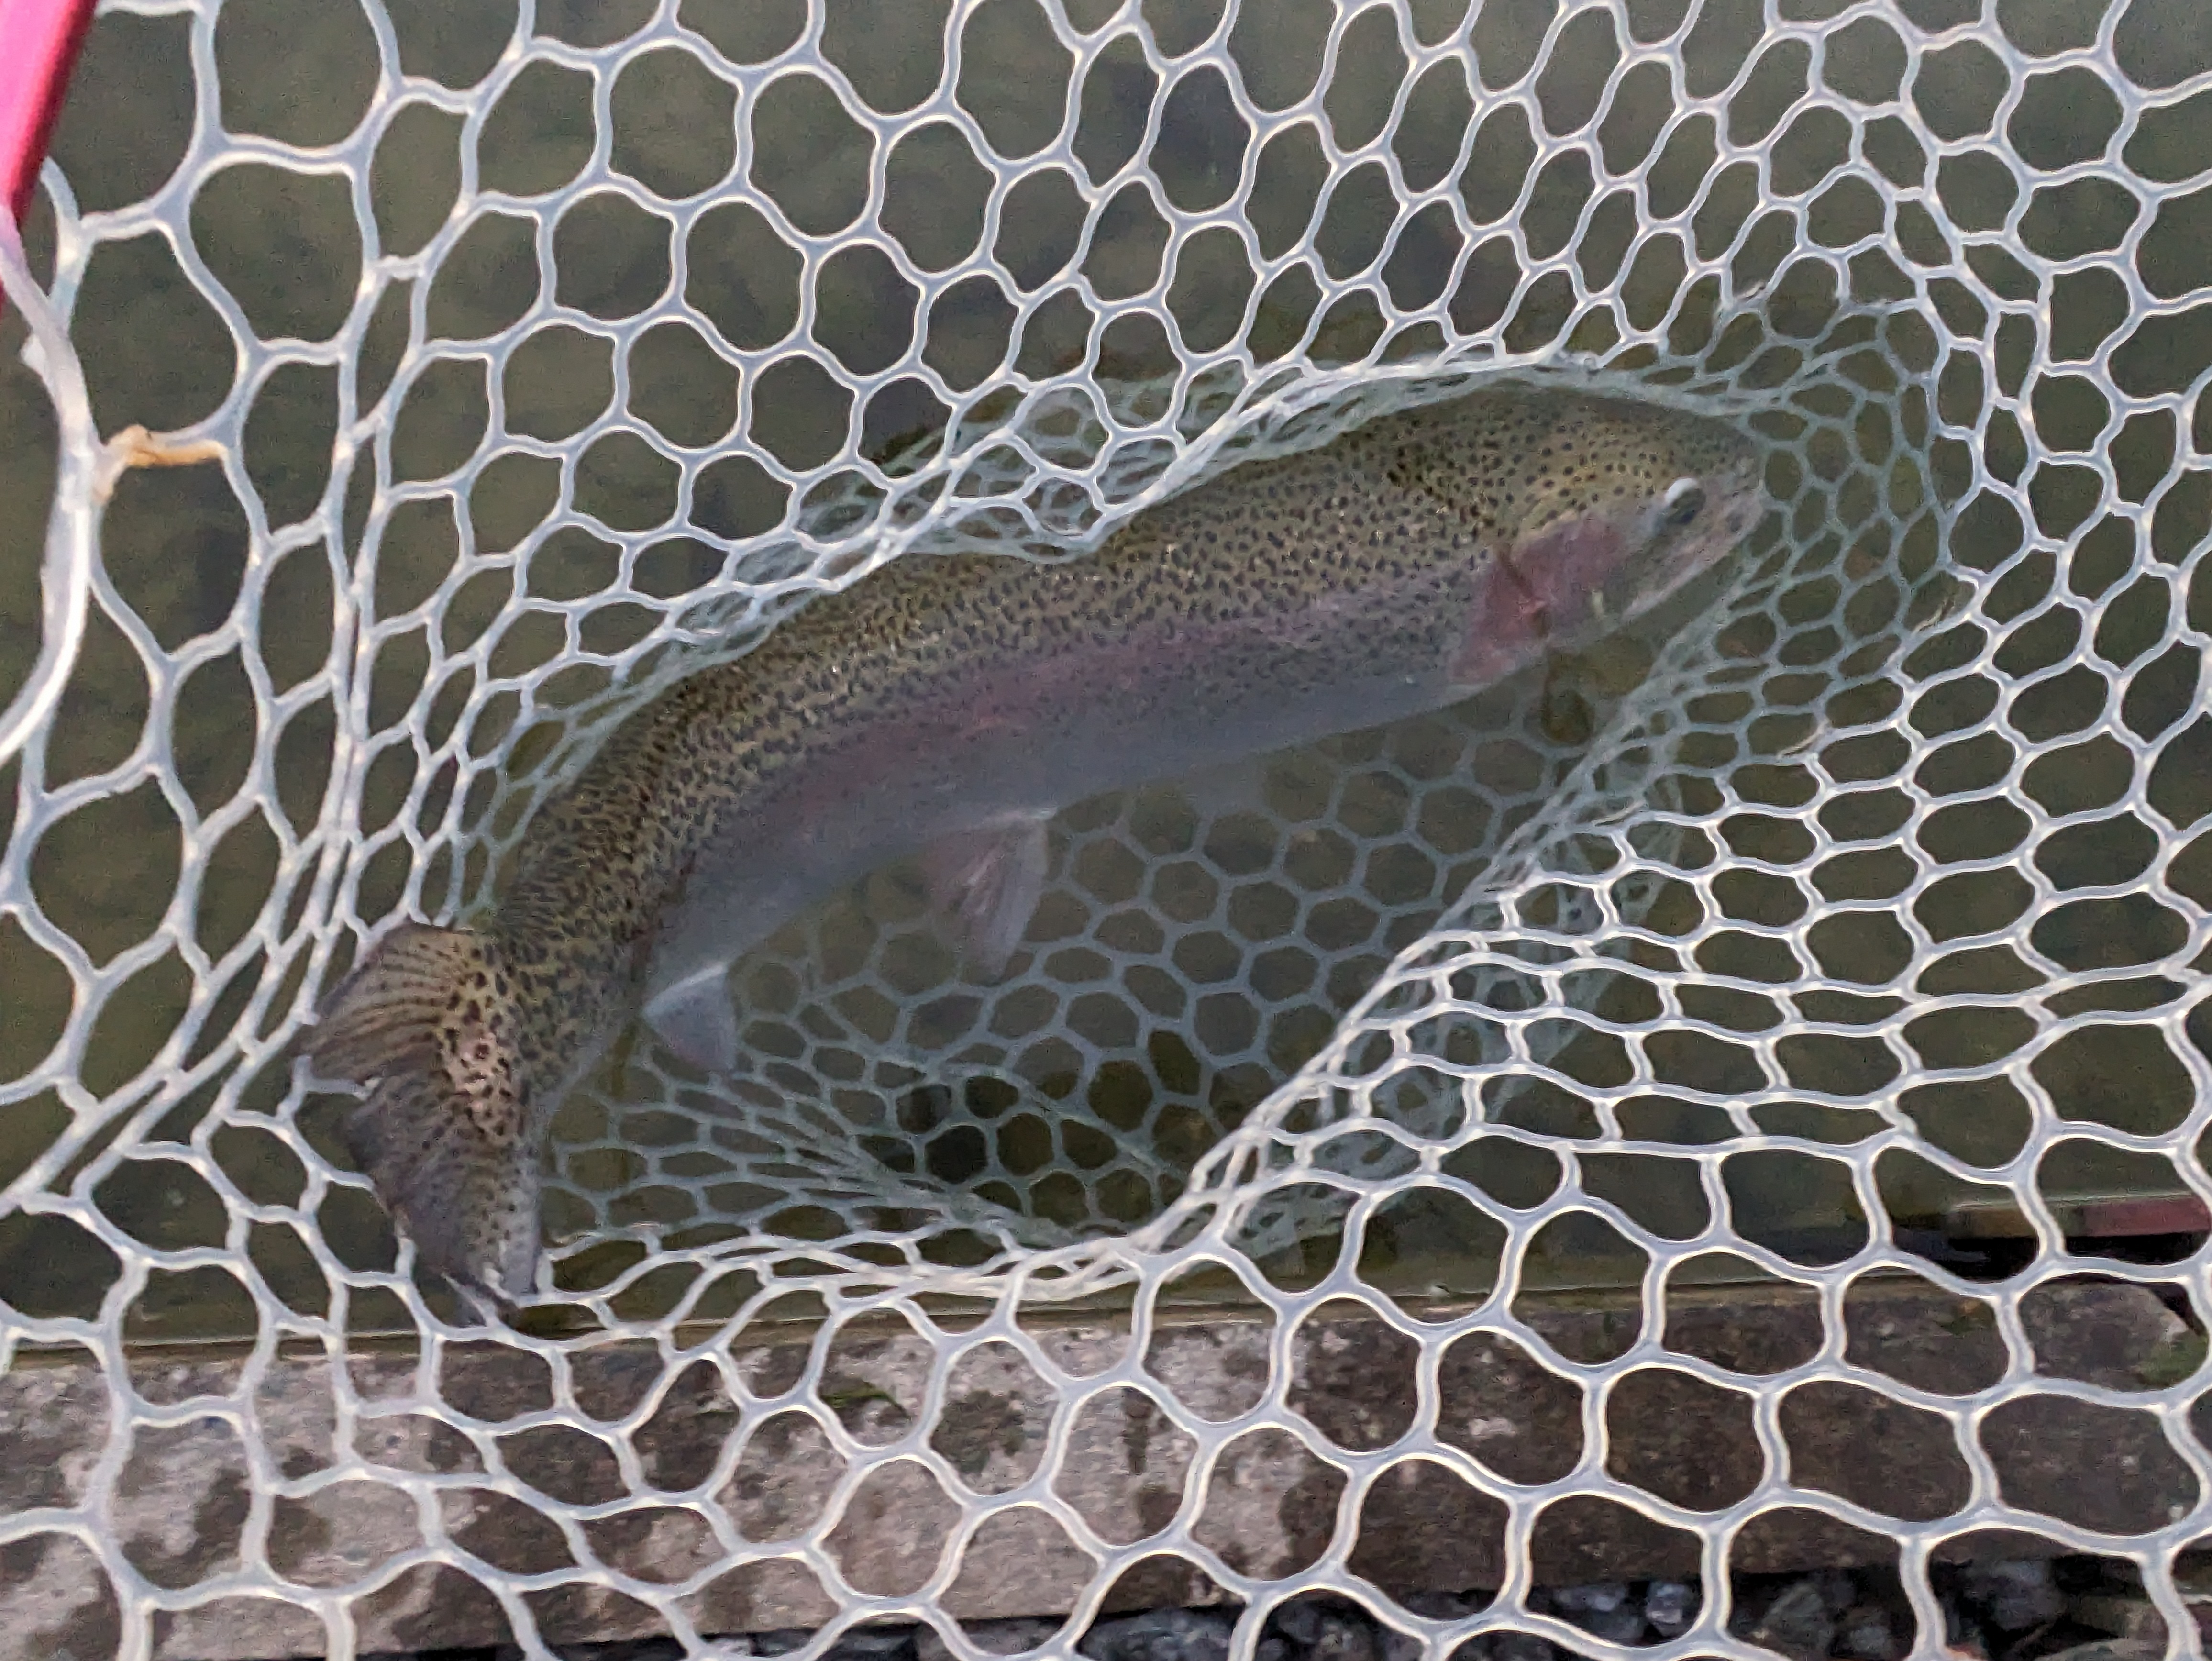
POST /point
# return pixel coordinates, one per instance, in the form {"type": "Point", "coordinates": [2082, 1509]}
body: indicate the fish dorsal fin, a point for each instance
{"type": "Point", "coordinates": [986, 883]}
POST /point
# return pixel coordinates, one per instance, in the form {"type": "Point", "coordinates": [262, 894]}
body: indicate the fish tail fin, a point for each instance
{"type": "Point", "coordinates": [386, 1015]}
{"type": "Point", "coordinates": [445, 1133]}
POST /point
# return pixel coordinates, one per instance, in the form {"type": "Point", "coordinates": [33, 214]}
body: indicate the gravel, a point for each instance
{"type": "Point", "coordinates": [2018, 1595]}
{"type": "Point", "coordinates": [2008, 1610]}
{"type": "Point", "coordinates": [1160, 1635]}
{"type": "Point", "coordinates": [1671, 1605]}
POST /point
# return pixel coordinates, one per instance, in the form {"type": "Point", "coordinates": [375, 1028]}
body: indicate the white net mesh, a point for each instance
{"type": "Point", "coordinates": [1828, 951]}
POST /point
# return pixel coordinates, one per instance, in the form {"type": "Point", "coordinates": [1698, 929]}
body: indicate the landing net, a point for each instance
{"type": "Point", "coordinates": [1828, 950]}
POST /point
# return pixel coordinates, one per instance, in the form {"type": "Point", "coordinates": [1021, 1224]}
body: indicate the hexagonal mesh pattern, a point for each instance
{"type": "Point", "coordinates": [1830, 946]}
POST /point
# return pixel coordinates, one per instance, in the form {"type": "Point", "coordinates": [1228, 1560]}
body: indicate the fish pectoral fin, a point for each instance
{"type": "Point", "coordinates": [986, 884]}
{"type": "Point", "coordinates": [446, 1135]}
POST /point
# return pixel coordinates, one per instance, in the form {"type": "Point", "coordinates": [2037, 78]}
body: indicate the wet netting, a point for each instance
{"type": "Point", "coordinates": [1735, 1098]}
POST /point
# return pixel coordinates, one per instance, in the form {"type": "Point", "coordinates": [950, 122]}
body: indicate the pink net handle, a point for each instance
{"type": "Point", "coordinates": [39, 42]}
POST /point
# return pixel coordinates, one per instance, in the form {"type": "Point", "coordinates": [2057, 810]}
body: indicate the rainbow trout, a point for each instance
{"type": "Point", "coordinates": [949, 706]}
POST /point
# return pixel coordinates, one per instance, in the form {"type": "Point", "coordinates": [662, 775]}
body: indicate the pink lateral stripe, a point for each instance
{"type": "Point", "coordinates": [39, 42]}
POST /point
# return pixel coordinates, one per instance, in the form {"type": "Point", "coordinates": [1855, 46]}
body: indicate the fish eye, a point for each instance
{"type": "Point", "coordinates": [1684, 500]}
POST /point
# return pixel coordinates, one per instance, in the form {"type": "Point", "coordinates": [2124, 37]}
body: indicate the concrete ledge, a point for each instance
{"type": "Point", "coordinates": [183, 1502]}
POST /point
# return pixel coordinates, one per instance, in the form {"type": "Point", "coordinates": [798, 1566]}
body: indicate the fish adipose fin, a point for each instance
{"type": "Point", "coordinates": [443, 1135]}
{"type": "Point", "coordinates": [986, 883]}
